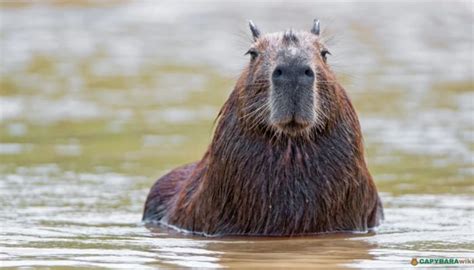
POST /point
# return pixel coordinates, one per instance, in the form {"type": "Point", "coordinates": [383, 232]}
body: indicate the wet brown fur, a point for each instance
{"type": "Point", "coordinates": [256, 180]}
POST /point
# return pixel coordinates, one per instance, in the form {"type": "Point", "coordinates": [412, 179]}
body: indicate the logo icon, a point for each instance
{"type": "Point", "coordinates": [414, 262]}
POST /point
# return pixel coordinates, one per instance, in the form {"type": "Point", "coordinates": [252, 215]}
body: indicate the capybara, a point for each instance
{"type": "Point", "coordinates": [286, 158]}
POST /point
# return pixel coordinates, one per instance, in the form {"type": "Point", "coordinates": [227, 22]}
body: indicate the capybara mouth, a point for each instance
{"type": "Point", "coordinates": [293, 126]}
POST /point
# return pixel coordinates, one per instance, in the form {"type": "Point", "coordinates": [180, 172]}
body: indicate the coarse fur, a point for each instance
{"type": "Point", "coordinates": [268, 175]}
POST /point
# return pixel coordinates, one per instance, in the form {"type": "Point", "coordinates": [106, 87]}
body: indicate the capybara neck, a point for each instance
{"type": "Point", "coordinates": [286, 157]}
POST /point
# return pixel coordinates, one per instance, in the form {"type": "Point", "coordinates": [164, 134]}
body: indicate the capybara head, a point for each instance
{"type": "Point", "coordinates": [283, 83]}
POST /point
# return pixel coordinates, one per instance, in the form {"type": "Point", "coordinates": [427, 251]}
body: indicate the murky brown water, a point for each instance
{"type": "Point", "coordinates": [97, 101]}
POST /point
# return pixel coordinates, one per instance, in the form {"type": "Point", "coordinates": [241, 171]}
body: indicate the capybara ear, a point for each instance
{"type": "Point", "coordinates": [255, 30]}
{"type": "Point", "coordinates": [316, 28]}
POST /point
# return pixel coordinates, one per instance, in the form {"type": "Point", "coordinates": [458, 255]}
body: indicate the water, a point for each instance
{"type": "Point", "coordinates": [98, 100]}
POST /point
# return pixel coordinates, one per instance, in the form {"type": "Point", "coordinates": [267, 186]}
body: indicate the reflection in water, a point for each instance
{"type": "Point", "coordinates": [97, 100]}
{"type": "Point", "coordinates": [322, 251]}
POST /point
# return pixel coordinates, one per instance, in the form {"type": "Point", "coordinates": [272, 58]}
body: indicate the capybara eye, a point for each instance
{"type": "Point", "coordinates": [324, 53]}
{"type": "Point", "coordinates": [253, 53]}
{"type": "Point", "coordinates": [308, 72]}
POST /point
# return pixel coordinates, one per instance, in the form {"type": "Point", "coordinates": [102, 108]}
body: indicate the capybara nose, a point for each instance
{"type": "Point", "coordinates": [293, 75]}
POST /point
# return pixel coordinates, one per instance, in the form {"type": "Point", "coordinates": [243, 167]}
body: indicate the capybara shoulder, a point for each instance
{"type": "Point", "coordinates": [162, 192]}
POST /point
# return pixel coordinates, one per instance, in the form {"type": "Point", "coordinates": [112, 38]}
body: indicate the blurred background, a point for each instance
{"type": "Point", "coordinates": [100, 98]}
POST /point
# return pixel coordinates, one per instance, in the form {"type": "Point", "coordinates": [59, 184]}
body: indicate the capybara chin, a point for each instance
{"type": "Point", "coordinates": [287, 155]}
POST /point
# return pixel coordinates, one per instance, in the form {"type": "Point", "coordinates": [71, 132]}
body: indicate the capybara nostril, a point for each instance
{"type": "Point", "coordinates": [278, 72]}
{"type": "Point", "coordinates": [308, 72]}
